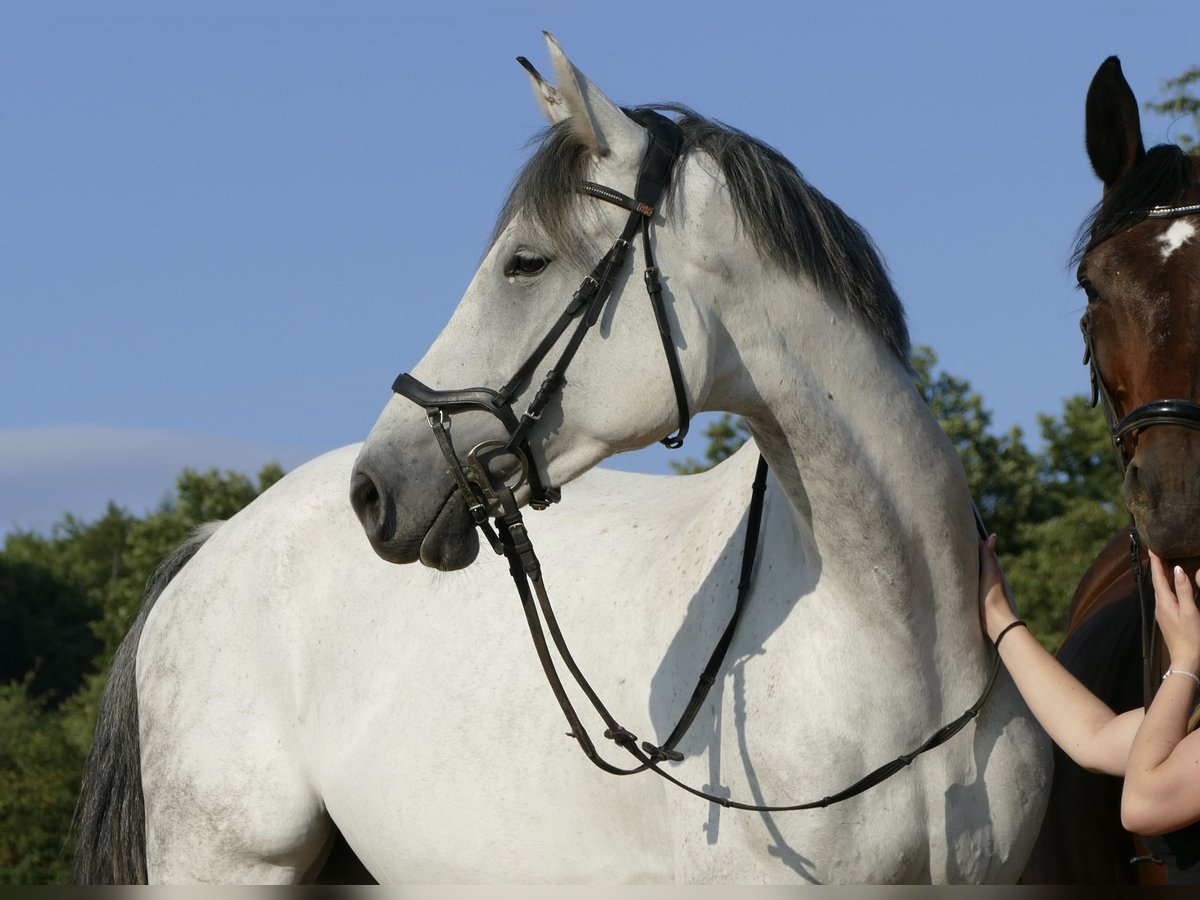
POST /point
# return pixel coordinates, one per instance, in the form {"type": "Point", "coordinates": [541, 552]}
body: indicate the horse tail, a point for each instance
{"type": "Point", "coordinates": [110, 817]}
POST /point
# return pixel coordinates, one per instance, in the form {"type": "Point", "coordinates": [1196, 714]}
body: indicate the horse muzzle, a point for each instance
{"type": "Point", "coordinates": [1162, 490]}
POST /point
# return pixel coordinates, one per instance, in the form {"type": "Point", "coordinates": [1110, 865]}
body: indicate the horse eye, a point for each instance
{"type": "Point", "coordinates": [525, 265]}
{"type": "Point", "coordinates": [1088, 288]}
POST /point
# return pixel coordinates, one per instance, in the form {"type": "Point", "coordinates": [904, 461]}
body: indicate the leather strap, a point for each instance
{"type": "Point", "coordinates": [584, 309]}
{"type": "Point", "coordinates": [526, 570]}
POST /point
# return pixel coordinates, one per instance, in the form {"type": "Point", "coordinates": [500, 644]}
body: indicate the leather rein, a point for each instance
{"type": "Point", "coordinates": [1124, 431]}
{"type": "Point", "coordinates": [482, 487]}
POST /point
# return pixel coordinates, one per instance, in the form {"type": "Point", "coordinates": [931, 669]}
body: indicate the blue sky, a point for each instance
{"type": "Point", "coordinates": [225, 227]}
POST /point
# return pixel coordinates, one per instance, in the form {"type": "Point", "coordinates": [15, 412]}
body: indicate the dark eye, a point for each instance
{"type": "Point", "coordinates": [1088, 288]}
{"type": "Point", "coordinates": [525, 264]}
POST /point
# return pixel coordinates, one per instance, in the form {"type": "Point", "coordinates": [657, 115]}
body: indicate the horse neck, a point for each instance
{"type": "Point", "coordinates": [876, 488]}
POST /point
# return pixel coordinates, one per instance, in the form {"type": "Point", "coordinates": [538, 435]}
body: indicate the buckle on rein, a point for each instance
{"type": "Point", "coordinates": [479, 491]}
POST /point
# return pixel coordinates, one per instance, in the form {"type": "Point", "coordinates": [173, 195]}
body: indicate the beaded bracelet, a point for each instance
{"type": "Point", "coordinates": [1190, 675]}
{"type": "Point", "coordinates": [1005, 630]}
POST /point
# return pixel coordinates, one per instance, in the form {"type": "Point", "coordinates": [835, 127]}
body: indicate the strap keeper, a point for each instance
{"type": "Point", "coordinates": [653, 285]}
{"type": "Point", "coordinates": [587, 290]}
{"type": "Point", "coordinates": [620, 736]}
{"type": "Point", "coordinates": [658, 754]}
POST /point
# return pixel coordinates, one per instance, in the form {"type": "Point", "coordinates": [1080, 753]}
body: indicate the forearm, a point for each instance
{"type": "Point", "coordinates": [1154, 779]}
{"type": "Point", "coordinates": [1084, 727]}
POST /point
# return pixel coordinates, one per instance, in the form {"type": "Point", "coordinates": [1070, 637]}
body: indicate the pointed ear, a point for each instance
{"type": "Point", "coordinates": [598, 122]}
{"type": "Point", "coordinates": [549, 99]}
{"type": "Point", "coordinates": [1114, 128]}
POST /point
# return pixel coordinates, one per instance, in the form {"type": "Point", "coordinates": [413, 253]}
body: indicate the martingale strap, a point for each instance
{"type": "Point", "coordinates": [526, 573]}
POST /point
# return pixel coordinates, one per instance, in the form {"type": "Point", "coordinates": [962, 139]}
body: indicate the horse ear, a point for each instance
{"type": "Point", "coordinates": [549, 99]}
{"type": "Point", "coordinates": [1114, 128]}
{"type": "Point", "coordinates": [594, 119]}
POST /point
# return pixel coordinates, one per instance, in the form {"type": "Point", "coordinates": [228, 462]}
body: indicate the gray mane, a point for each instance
{"type": "Point", "coordinates": [791, 223]}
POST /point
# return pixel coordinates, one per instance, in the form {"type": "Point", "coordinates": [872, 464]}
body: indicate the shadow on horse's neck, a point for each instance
{"type": "Point", "coordinates": [873, 482]}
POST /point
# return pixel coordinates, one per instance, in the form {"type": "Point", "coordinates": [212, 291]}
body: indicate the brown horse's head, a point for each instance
{"type": "Point", "coordinates": [1139, 262]}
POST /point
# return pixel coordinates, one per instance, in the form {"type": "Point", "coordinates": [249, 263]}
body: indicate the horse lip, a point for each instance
{"type": "Point", "coordinates": [384, 540]}
{"type": "Point", "coordinates": [450, 542]}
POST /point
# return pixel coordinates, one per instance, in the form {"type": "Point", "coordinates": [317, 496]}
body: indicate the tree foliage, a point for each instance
{"type": "Point", "coordinates": [1179, 102]}
{"type": "Point", "coordinates": [66, 601]}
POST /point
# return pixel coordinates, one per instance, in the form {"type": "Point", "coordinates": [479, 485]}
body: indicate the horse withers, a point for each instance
{"type": "Point", "coordinates": [1139, 265]}
{"type": "Point", "coordinates": [293, 683]}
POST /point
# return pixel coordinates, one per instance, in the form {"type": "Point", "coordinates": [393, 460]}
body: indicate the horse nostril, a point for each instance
{"type": "Point", "coordinates": [368, 505]}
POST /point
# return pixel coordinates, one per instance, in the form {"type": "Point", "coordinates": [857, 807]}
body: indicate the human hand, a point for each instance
{"type": "Point", "coordinates": [996, 606]}
{"type": "Point", "coordinates": [1176, 613]}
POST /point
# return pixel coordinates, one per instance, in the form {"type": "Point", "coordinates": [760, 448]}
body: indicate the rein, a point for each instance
{"type": "Point", "coordinates": [482, 489]}
{"type": "Point", "coordinates": [1124, 430]}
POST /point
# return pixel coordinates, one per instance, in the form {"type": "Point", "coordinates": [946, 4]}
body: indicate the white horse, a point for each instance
{"type": "Point", "coordinates": [289, 680]}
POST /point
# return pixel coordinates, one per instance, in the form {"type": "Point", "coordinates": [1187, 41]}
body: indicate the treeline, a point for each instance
{"type": "Point", "coordinates": [66, 599]}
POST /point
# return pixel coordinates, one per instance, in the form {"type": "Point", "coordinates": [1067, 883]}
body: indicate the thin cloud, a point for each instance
{"type": "Point", "coordinates": [46, 472]}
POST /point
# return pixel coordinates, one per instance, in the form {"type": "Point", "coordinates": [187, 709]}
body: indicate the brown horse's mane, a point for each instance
{"type": "Point", "coordinates": [1162, 178]}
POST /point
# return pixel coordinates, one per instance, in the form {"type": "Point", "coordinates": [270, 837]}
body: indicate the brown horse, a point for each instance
{"type": "Point", "coordinates": [1139, 264]}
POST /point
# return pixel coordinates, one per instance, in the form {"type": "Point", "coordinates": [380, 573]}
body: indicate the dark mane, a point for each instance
{"type": "Point", "coordinates": [1162, 178]}
{"type": "Point", "coordinates": [791, 224]}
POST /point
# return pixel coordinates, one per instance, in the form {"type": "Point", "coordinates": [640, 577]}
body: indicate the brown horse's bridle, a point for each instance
{"type": "Point", "coordinates": [1124, 431]}
{"type": "Point", "coordinates": [484, 488]}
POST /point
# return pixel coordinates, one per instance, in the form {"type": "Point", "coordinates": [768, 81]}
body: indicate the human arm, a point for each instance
{"type": "Point", "coordinates": [1162, 784]}
{"type": "Point", "coordinates": [1080, 723]}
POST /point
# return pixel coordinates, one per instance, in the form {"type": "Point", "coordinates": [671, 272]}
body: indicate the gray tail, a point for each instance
{"type": "Point", "coordinates": [110, 818]}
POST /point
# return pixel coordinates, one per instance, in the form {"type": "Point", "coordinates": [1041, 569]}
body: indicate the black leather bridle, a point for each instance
{"type": "Point", "coordinates": [483, 488]}
{"type": "Point", "coordinates": [475, 479]}
{"type": "Point", "coordinates": [1124, 431]}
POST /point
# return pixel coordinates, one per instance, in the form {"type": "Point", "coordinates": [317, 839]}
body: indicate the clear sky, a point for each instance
{"type": "Point", "coordinates": [226, 226]}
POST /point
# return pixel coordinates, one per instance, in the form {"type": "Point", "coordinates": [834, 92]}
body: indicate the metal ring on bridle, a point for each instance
{"type": "Point", "coordinates": [483, 477]}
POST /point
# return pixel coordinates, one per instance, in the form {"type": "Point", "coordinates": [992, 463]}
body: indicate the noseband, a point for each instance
{"type": "Point", "coordinates": [476, 481]}
{"type": "Point", "coordinates": [1124, 431]}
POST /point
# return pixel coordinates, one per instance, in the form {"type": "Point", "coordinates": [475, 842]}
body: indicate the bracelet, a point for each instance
{"type": "Point", "coordinates": [1190, 675]}
{"type": "Point", "coordinates": [1007, 628]}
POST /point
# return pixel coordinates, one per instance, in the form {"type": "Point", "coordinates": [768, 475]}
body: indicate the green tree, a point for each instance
{"type": "Point", "coordinates": [66, 601]}
{"type": "Point", "coordinates": [45, 632]}
{"type": "Point", "coordinates": [1083, 488]}
{"type": "Point", "coordinates": [1179, 102]}
{"type": "Point", "coordinates": [725, 435]}
{"type": "Point", "coordinates": [52, 590]}
{"type": "Point", "coordinates": [39, 781]}
{"type": "Point", "coordinates": [1001, 471]}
